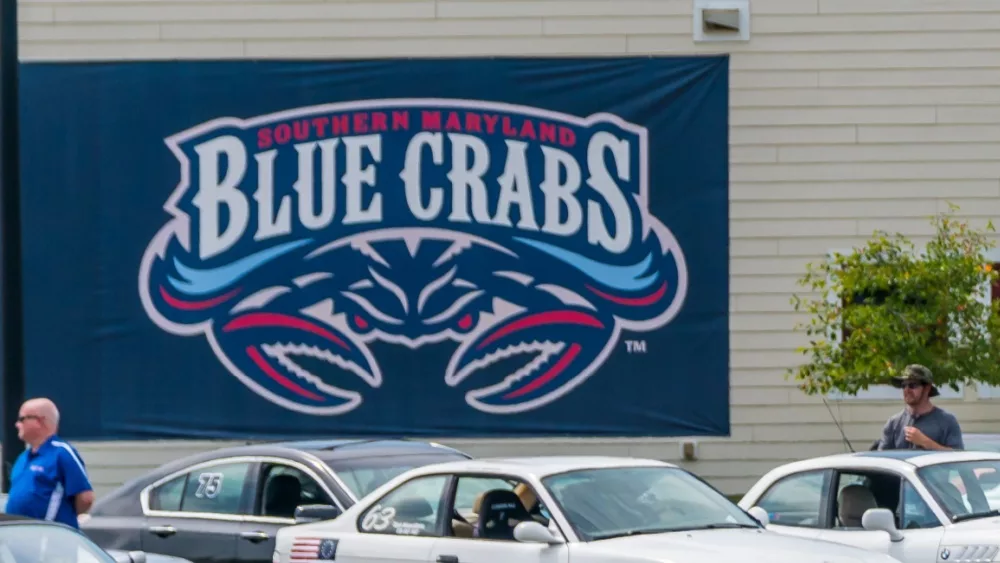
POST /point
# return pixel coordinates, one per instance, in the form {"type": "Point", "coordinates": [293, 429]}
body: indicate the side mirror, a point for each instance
{"type": "Point", "coordinates": [760, 515]}
{"type": "Point", "coordinates": [881, 519]}
{"type": "Point", "coordinates": [306, 513]}
{"type": "Point", "coordinates": [535, 532]}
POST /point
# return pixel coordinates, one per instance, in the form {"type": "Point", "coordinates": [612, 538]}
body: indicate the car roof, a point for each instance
{"type": "Point", "coordinates": [923, 458]}
{"type": "Point", "coordinates": [980, 436]}
{"type": "Point", "coordinates": [326, 450]}
{"type": "Point", "coordinates": [540, 466]}
{"type": "Point", "coordinates": [897, 459]}
{"type": "Point", "coordinates": [329, 450]}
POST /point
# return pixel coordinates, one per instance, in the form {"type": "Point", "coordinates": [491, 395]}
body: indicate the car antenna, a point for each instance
{"type": "Point", "coordinates": [839, 427]}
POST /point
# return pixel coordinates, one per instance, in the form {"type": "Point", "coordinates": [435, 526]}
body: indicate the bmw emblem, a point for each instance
{"type": "Point", "coordinates": [945, 554]}
{"type": "Point", "coordinates": [328, 550]}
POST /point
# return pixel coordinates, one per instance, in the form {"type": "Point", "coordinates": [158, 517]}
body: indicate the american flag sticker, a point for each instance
{"type": "Point", "coordinates": [313, 549]}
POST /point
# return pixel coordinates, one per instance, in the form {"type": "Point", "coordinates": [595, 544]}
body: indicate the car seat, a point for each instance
{"type": "Point", "coordinates": [852, 503]}
{"type": "Point", "coordinates": [499, 511]}
{"type": "Point", "coordinates": [283, 495]}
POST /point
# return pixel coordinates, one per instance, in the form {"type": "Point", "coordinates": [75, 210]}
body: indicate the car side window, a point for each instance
{"type": "Point", "coordinates": [168, 496]}
{"type": "Point", "coordinates": [859, 490]}
{"type": "Point", "coordinates": [284, 488]}
{"type": "Point", "coordinates": [411, 509]}
{"type": "Point", "coordinates": [916, 513]}
{"type": "Point", "coordinates": [216, 489]}
{"type": "Point", "coordinates": [490, 507]}
{"type": "Point", "coordinates": [796, 500]}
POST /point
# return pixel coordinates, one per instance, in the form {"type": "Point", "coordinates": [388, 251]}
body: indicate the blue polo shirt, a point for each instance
{"type": "Point", "coordinates": [43, 483]}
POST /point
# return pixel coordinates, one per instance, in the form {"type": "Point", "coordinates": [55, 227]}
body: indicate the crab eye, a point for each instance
{"type": "Point", "coordinates": [465, 322]}
{"type": "Point", "coordinates": [359, 322]}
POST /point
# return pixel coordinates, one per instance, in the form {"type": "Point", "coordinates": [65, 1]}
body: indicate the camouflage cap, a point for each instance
{"type": "Point", "coordinates": [919, 373]}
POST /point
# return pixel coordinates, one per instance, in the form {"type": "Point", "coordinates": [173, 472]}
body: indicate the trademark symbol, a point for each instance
{"type": "Point", "coordinates": [635, 346]}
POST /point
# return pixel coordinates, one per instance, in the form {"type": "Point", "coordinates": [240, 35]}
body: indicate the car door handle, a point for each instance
{"type": "Point", "coordinates": [163, 531]}
{"type": "Point", "coordinates": [255, 537]}
{"type": "Point", "coordinates": [447, 559]}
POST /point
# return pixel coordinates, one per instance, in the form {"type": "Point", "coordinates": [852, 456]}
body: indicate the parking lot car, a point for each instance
{"type": "Point", "coordinates": [982, 442]}
{"type": "Point", "coordinates": [28, 540]}
{"type": "Point", "coordinates": [552, 510]}
{"type": "Point", "coordinates": [918, 506]}
{"type": "Point", "coordinates": [226, 505]}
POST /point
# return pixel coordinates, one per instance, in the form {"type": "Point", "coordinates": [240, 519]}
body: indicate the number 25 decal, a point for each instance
{"type": "Point", "coordinates": [209, 485]}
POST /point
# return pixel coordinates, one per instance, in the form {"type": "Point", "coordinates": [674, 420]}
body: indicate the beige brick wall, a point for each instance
{"type": "Point", "coordinates": [847, 116]}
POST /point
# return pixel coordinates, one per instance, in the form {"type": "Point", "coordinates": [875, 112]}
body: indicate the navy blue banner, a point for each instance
{"type": "Point", "coordinates": [503, 247]}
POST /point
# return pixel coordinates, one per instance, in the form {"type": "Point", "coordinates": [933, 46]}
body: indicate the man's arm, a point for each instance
{"type": "Point", "coordinates": [75, 479]}
{"type": "Point", "coordinates": [951, 436]}
{"type": "Point", "coordinates": [921, 439]}
{"type": "Point", "coordinates": [886, 441]}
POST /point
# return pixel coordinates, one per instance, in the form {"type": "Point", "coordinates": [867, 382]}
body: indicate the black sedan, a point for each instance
{"type": "Point", "coordinates": [226, 505]}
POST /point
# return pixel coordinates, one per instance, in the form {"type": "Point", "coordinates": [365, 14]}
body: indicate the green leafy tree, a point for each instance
{"type": "Point", "coordinates": [895, 306]}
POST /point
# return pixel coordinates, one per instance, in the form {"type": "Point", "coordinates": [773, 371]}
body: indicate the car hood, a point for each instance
{"type": "Point", "coordinates": [745, 546]}
{"type": "Point", "coordinates": [978, 524]}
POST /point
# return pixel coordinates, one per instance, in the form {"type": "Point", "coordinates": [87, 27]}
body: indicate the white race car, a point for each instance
{"type": "Point", "coordinates": [918, 506]}
{"type": "Point", "coordinates": [550, 510]}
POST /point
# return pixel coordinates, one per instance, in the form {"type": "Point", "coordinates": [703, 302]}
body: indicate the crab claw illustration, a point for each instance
{"type": "Point", "coordinates": [555, 366]}
{"type": "Point", "coordinates": [278, 355]}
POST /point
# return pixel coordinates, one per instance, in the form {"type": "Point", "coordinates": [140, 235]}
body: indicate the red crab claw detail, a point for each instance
{"type": "Point", "coordinates": [281, 356]}
{"type": "Point", "coordinates": [565, 346]}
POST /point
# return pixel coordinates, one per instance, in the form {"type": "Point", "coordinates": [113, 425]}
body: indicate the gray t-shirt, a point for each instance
{"type": "Point", "coordinates": [939, 425]}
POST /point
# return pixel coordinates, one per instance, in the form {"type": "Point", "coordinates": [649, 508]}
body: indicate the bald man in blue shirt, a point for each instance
{"type": "Point", "coordinates": [49, 479]}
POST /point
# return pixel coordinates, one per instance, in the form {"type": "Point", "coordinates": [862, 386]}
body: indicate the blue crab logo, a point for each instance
{"type": "Point", "coordinates": [297, 239]}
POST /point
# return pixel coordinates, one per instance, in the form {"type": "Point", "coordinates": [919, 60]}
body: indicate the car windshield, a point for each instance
{"type": "Point", "coordinates": [620, 501]}
{"type": "Point", "coordinates": [965, 490]}
{"type": "Point", "coordinates": [31, 543]}
{"type": "Point", "coordinates": [363, 475]}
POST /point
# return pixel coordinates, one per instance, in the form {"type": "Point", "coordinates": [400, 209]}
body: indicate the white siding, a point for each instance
{"type": "Point", "coordinates": [847, 116]}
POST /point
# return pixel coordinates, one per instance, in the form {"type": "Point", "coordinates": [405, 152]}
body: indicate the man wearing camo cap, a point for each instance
{"type": "Point", "coordinates": [920, 425]}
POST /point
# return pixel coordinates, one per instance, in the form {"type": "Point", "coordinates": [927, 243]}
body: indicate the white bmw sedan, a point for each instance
{"type": "Point", "coordinates": [550, 510]}
{"type": "Point", "coordinates": [918, 506]}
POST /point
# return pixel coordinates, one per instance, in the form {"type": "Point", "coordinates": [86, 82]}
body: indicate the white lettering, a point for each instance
{"type": "Point", "coordinates": [213, 193]}
{"type": "Point", "coordinates": [311, 201]}
{"type": "Point", "coordinates": [209, 485]}
{"type": "Point", "coordinates": [561, 193]}
{"type": "Point", "coordinates": [378, 518]}
{"type": "Point", "coordinates": [356, 177]}
{"type": "Point", "coordinates": [269, 225]}
{"type": "Point", "coordinates": [600, 180]}
{"type": "Point", "coordinates": [411, 175]}
{"type": "Point", "coordinates": [304, 186]}
{"type": "Point", "coordinates": [467, 178]}
{"type": "Point", "coordinates": [515, 187]}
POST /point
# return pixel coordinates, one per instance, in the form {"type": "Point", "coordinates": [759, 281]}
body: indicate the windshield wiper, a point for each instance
{"type": "Point", "coordinates": [635, 533]}
{"type": "Point", "coordinates": [974, 515]}
{"type": "Point", "coordinates": [639, 532]}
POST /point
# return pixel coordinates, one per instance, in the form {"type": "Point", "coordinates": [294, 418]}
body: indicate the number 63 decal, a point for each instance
{"type": "Point", "coordinates": [378, 519]}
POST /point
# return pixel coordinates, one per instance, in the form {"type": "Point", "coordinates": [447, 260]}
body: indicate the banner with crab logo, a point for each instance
{"type": "Point", "coordinates": [432, 248]}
